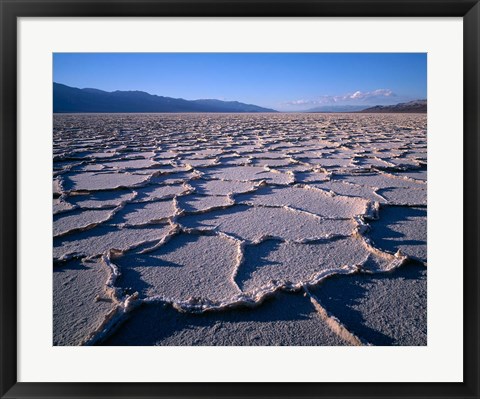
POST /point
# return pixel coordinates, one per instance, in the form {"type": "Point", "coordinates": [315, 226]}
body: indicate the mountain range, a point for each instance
{"type": "Point", "coordinates": [416, 106]}
{"type": "Point", "coordinates": [412, 107]}
{"type": "Point", "coordinates": [68, 99]}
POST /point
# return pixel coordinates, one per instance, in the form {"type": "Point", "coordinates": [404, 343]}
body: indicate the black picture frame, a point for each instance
{"type": "Point", "coordinates": [10, 10]}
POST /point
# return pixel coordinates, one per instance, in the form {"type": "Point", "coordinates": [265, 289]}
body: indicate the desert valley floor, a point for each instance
{"type": "Point", "coordinates": [240, 229]}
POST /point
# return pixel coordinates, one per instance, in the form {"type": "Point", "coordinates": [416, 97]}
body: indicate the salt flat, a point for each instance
{"type": "Point", "coordinates": [239, 229]}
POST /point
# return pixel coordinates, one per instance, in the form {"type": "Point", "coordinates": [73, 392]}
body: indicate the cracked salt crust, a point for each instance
{"type": "Point", "coordinates": [221, 212]}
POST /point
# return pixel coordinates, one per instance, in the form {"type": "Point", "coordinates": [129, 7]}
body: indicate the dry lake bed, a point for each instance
{"type": "Point", "coordinates": [240, 229]}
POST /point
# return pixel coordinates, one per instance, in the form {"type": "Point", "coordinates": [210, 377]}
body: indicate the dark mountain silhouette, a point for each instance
{"type": "Point", "coordinates": [412, 107]}
{"type": "Point", "coordinates": [73, 100]}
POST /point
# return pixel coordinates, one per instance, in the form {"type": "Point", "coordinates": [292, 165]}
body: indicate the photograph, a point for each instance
{"type": "Point", "coordinates": [239, 199]}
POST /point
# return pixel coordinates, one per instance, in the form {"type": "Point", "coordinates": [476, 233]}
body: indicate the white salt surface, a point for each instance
{"type": "Point", "coordinates": [102, 181]}
{"type": "Point", "coordinates": [383, 181]}
{"type": "Point", "coordinates": [309, 200]}
{"type": "Point", "coordinates": [207, 220]}
{"type": "Point", "coordinates": [145, 213]}
{"type": "Point", "coordinates": [349, 189]}
{"type": "Point", "coordinates": [255, 223]}
{"type": "Point", "coordinates": [186, 267]}
{"type": "Point", "coordinates": [59, 205]}
{"type": "Point", "coordinates": [103, 238]}
{"type": "Point", "coordinates": [102, 199]}
{"type": "Point", "coordinates": [403, 196]}
{"type": "Point", "coordinates": [76, 310]}
{"type": "Point", "coordinates": [133, 164]}
{"type": "Point", "coordinates": [196, 203]}
{"type": "Point", "coordinates": [247, 173]}
{"type": "Point", "coordinates": [56, 187]}
{"type": "Point", "coordinates": [277, 260]}
{"type": "Point", "coordinates": [155, 192]}
{"type": "Point", "coordinates": [79, 220]}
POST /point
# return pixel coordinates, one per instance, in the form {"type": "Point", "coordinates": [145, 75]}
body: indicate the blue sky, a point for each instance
{"type": "Point", "coordinates": [283, 81]}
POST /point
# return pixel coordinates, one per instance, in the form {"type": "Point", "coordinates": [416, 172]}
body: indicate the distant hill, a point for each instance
{"type": "Point", "coordinates": [73, 100]}
{"type": "Point", "coordinates": [337, 108]}
{"type": "Point", "coordinates": [412, 107]}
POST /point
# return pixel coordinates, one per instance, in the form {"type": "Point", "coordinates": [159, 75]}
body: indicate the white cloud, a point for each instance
{"type": "Point", "coordinates": [357, 94]}
{"type": "Point", "coordinates": [375, 93]}
{"type": "Point", "coordinates": [299, 102]}
{"type": "Point", "coordinates": [354, 97]}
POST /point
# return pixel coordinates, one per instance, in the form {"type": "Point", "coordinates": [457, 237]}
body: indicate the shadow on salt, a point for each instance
{"type": "Point", "coordinates": [286, 319]}
{"type": "Point", "coordinates": [401, 228]}
{"type": "Point", "coordinates": [383, 309]}
{"type": "Point", "coordinates": [187, 266]}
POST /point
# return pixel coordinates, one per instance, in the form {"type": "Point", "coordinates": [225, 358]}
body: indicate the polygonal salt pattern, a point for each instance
{"type": "Point", "coordinates": [219, 211]}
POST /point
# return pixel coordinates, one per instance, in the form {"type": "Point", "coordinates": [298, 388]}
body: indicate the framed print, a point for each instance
{"type": "Point", "coordinates": [249, 199]}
